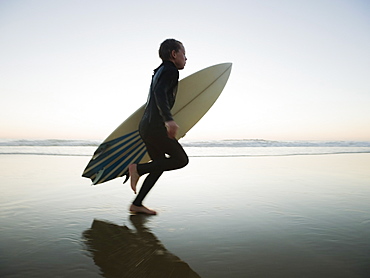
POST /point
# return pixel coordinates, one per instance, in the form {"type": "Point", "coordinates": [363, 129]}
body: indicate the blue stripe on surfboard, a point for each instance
{"type": "Point", "coordinates": [116, 168]}
{"type": "Point", "coordinates": [108, 147]}
{"type": "Point", "coordinates": [105, 146]}
{"type": "Point", "coordinates": [113, 150]}
{"type": "Point", "coordinates": [122, 168]}
{"type": "Point", "coordinates": [109, 157]}
{"type": "Point", "coordinates": [136, 156]}
{"type": "Point", "coordinates": [104, 150]}
{"type": "Point", "coordinates": [114, 156]}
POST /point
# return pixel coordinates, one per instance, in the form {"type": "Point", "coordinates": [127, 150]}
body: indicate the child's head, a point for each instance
{"type": "Point", "coordinates": [174, 51]}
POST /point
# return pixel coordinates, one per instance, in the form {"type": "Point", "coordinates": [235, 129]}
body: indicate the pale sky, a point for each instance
{"type": "Point", "coordinates": [73, 69]}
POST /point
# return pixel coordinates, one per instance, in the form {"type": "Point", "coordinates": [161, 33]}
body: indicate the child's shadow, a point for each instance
{"type": "Point", "coordinates": [121, 252]}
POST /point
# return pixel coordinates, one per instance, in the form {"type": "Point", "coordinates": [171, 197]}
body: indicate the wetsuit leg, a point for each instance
{"type": "Point", "coordinates": [158, 147]}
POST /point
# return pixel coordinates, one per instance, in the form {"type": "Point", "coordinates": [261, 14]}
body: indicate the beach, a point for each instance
{"type": "Point", "coordinates": [263, 216]}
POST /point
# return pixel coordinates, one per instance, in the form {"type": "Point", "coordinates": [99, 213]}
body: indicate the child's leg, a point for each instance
{"type": "Point", "coordinates": [148, 184]}
{"type": "Point", "coordinates": [157, 147]}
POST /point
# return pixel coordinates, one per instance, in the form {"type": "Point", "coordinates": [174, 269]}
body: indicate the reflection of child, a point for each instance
{"type": "Point", "coordinates": [132, 253]}
{"type": "Point", "coordinates": [157, 127]}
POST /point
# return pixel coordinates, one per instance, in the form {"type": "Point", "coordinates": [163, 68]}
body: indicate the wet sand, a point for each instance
{"type": "Point", "coordinates": [281, 216]}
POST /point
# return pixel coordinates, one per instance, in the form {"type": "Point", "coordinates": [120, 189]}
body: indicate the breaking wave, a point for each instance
{"type": "Point", "coordinates": [211, 148]}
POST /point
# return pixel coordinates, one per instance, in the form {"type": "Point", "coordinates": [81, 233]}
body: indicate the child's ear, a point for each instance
{"type": "Point", "coordinates": [173, 54]}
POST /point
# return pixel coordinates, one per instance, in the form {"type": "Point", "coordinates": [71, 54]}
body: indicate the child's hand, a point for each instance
{"type": "Point", "coordinates": [172, 129]}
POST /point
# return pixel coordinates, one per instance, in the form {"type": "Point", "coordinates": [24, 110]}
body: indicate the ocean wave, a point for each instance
{"type": "Point", "coordinates": [42, 153]}
{"type": "Point", "coordinates": [259, 143]}
{"type": "Point", "coordinates": [220, 148]}
{"type": "Point", "coordinates": [200, 155]}
{"type": "Point", "coordinates": [230, 143]}
{"type": "Point", "coordinates": [48, 143]}
{"type": "Point", "coordinates": [191, 151]}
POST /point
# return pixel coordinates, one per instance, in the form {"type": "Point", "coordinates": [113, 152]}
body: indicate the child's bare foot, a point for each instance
{"type": "Point", "coordinates": [145, 210]}
{"type": "Point", "coordinates": [134, 176]}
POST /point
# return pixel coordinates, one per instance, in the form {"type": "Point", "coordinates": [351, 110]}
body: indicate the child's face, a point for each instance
{"type": "Point", "coordinates": [179, 58]}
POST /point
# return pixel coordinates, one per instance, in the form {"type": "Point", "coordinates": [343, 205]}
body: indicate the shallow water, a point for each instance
{"type": "Point", "coordinates": [301, 216]}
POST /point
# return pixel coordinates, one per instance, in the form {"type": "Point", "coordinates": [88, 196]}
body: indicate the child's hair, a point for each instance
{"type": "Point", "coordinates": [166, 48]}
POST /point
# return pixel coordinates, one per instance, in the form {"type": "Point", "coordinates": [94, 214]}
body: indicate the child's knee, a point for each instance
{"type": "Point", "coordinates": [184, 161]}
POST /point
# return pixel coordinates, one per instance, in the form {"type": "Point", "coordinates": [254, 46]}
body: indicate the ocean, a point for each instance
{"type": "Point", "coordinates": [212, 148]}
{"type": "Point", "coordinates": [241, 208]}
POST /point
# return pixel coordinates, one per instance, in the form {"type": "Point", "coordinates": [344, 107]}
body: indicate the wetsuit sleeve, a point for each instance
{"type": "Point", "coordinates": [164, 91]}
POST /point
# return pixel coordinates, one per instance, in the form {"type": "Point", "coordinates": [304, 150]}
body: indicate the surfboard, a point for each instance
{"type": "Point", "coordinates": [195, 96]}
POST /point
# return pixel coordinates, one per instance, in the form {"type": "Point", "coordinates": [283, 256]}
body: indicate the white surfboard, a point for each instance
{"type": "Point", "coordinates": [195, 96]}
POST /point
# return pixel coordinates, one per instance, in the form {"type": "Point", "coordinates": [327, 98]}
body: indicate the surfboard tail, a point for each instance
{"type": "Point", "coordinates": [112, 158]}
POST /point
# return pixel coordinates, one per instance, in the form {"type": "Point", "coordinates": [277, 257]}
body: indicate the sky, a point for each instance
{"type": "Point", "coordinates": [76, 69]}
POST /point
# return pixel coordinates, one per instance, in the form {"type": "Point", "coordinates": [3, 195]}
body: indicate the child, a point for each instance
{"type": "Point", "coordinates": [157, 127]}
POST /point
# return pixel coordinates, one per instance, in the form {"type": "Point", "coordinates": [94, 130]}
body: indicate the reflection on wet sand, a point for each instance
{"type": "Point", "coordinates": [121, 252]}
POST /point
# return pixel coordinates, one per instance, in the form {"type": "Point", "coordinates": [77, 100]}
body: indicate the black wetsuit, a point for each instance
{"type": "Point", "coordinates": [162, 95]}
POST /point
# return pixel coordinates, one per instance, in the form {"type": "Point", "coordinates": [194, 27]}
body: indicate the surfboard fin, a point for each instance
{"type": "Point", "coordinates": [98, 176]}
